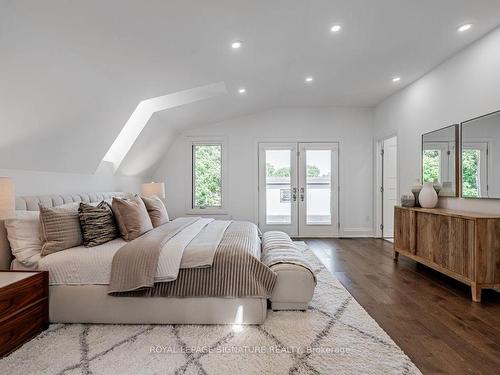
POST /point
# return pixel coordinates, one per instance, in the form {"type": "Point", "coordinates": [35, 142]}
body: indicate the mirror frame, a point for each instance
{"type": "Point", "coordinates": [458, 159]}
{"type": "Point", "coordinates": [461, 143]}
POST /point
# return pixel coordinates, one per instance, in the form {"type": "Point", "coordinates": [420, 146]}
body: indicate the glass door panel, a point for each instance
{"type": "Point", "coordinates": [277, 187]}
{"type": "Point", "coordinates": [318, 189]}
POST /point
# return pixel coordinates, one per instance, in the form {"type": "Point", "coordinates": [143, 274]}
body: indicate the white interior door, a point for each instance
{"type": "Point", "coordinates": [390, 188]}
{"type": "Point", "coordinates": [318, 189]}
{"type": "Point", "coordinates": [278, 187]}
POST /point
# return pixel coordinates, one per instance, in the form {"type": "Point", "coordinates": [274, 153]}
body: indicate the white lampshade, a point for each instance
{"type": "Point", "coordinates": [7, 198]}
{"type": "Point", "coordinates": [153, 188]}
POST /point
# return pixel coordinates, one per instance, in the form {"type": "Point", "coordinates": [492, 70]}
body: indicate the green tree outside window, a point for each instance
{"type": "Point", "coordinates": [207, 166]}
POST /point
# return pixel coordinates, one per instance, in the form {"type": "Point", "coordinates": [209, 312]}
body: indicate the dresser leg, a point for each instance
{"type": "Point", "coordinates": [476, 292]}
{"type": "Point", "coordinates": [396, 256]}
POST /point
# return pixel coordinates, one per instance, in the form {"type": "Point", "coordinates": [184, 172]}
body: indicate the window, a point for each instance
{"type": "Point", "coordinates": [207, 175]}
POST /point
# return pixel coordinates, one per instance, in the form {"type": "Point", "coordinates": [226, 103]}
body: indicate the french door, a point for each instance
{"type": "Point", "coordinates": [298, 188]}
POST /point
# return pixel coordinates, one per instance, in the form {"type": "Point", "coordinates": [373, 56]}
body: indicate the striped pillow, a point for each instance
{"type": "Point", "coordinates": [98, 224]}
{"type": "Point", "coordinates": [60, 228]}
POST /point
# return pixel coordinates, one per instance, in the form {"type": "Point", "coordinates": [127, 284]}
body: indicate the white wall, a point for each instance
{"type": "Point", "coordinates": [48, 183]}
{"type": "Point", "coordinates": [463, 87]}
{"type": "Point", "coordinates": [352, 127]}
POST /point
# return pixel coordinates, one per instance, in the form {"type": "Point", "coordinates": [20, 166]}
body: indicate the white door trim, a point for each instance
{"type": "Point", "coordinates": [378, 208]}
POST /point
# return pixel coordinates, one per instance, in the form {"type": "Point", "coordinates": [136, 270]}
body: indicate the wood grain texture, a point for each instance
{"type": "Point", "coordinates": [24, 310]}
{"type": "Point", "coordinates": [20, 295]}
{"type": "Point", "coordinates": [465, 246]}
{"type": "Point", "coordinates": [488, 251]}
{"type": "Point", "coordinates": [429, 315]}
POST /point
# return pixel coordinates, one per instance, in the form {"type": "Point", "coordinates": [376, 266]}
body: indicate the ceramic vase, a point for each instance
{"type": "Point", "coordinates": [428, 197]}
{"type": "Point", "coordinates": [437, 186]}
{"type": "Point", "coordinates": [415, 189]}
{"type": "Point", "coordinates": [407, 200]}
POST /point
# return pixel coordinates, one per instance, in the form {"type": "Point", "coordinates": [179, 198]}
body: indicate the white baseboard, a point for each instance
{"type": "Point", "coordinates": [357, 232]}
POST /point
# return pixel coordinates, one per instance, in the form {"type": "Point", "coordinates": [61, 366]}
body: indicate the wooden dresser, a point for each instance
{"type": "Point", "coordinates": [24, 307]}
{"type": "Point", "coordinates": [462, 245]}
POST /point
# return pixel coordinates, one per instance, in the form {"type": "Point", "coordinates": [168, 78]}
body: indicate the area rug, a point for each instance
{"type": "Point", "coordinates": [335, 336]}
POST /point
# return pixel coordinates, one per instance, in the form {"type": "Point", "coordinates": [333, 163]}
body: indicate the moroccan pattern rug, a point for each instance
{"type": "Point", "coordinates": [335, 336]}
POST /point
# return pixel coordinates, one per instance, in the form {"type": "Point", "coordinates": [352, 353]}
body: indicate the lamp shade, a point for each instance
{"type": "Point", "coordinates": [153, 188]}
{"type": "Point", "coordinates": [7, 198]}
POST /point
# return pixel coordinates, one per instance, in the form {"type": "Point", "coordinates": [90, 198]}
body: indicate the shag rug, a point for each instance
{"type": "Point", "coordinates": [335, 336]}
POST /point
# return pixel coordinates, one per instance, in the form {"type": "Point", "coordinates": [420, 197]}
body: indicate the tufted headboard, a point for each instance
{"type": "Point", "coordinates": [30, 203]}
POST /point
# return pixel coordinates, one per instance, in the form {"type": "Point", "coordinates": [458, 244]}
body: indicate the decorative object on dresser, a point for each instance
{"type": "Point", "coordinates": [437, 186]}
{"type": "Point", "coordinates": [408, 200]}
{"type": "Point", "coordinates": [428, 197]}
{"type": "Point", "coordinates": [415, 189]}
{"type": "Point", "coordinates": [24, 307]}
{"type": "Point", "coordinates": [462, 245]}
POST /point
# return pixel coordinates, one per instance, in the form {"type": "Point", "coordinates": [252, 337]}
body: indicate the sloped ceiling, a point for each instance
{"type": "Point", "coordinates": [72, 72]}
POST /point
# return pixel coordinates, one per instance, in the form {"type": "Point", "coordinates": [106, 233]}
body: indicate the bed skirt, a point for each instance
{"type": "Point", "coordinates": [92, 304]}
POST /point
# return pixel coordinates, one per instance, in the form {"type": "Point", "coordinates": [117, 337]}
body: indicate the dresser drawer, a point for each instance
{"type": "Point", "coordinates": [15, 297]}
{"type": "Point", "coordinates": [21, 327]}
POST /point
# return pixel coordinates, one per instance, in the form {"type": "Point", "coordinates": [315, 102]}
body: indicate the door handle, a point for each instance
{"type": "Point", "coordinates": [302, 194]}
{"type": "Point", "coordinates": [294, 194]}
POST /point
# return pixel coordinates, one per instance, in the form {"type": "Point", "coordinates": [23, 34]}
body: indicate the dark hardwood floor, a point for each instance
{"type": "Point", "coordinates": [430, 316]}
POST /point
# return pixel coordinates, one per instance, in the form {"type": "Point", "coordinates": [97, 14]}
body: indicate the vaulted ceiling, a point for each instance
{"type": "Point", "coordinates": [72, 73]}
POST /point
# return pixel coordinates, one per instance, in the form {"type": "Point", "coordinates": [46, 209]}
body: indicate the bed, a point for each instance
{"type": "Point", "coordinates": [84, 297]}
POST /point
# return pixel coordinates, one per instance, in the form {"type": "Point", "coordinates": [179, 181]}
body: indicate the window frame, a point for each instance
{"type": "Point", "coordinates": [191, 142]}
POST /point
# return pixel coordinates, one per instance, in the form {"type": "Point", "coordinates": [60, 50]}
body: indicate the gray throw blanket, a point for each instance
{"type": "Point", "coordinates": [134, 265]}
{"type": "Point", "coordinates": [236, 271]}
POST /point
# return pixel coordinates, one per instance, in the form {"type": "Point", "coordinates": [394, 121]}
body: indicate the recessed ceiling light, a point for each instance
{"type": "Point", "coordinates": [236, 44]}
{"type": "Point", "coordinates": [335, 28]}
{"type": "Point", "coordinates": [465, 27]}
{"type": "Point", "coordinates": [309, 79]}
{"type": "Point", "coordinates": [396, 79]}
{"type": "Point", "coordinates": [242, 90]}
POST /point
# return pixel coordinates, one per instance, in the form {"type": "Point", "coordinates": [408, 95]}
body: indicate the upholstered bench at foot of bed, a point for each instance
{"type": "Point", "coordinates": [295, 283]}
{"type": "Point", "coordinates": [294, 287]}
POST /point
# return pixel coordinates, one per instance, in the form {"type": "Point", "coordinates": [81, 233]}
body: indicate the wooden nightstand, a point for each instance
{"type": "Point", "coordinates": [24, 307]}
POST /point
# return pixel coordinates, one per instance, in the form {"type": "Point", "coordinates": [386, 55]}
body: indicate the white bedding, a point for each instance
{"type": "Point", "coordinates": [81, 265]}
{"type": "Point", "coordinates": [171, 254]}
{"type": "Point", "coordinates": [192, 247]}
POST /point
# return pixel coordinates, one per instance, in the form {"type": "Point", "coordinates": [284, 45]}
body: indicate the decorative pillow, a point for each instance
{"type": "Point", "coordinates": [98, 224]}
{"type": "Point", "coordinates": [132, 217]}
{"type": "Point", "coordinates": [156, 210]}
{"type": "Point", "coordinates": [60, 228]}
{"type": "Point", "coordinates": [23, 233]}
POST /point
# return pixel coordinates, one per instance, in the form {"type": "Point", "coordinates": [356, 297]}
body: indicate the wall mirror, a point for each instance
{"type": "Point", "coordinates": [481, 157]}
{"type": "Point", "coordinates": [440, 159]}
